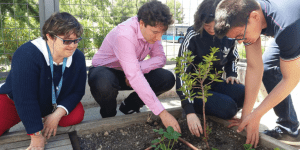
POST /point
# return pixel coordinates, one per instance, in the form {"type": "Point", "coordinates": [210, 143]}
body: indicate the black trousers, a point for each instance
{"type": "Point", "coordinates": [105, 83]}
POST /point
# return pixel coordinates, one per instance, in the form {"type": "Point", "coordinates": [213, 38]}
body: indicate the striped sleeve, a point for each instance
{"type": "Point", "coordinates": [187, 45]}
{"type": "Point", "coordinates": [233, 58]}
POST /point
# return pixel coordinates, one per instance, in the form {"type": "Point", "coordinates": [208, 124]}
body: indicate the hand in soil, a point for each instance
{"type": "Point", "coordinates": [234, 122]}
{"type": "Point", "coordinates": [168, 120]}
{"type": "Point", "coordinates": [251, 122]}
{"type": "Point", "coordinates": [194, 124]}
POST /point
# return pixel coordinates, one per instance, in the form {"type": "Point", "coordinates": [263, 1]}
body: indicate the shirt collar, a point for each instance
{"type": "Point", "coordinates": [139, 33]}
{"type": "Point", "coordinates": [40, 43]}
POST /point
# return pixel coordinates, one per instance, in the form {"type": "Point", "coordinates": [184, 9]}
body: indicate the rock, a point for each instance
{"type": "Point", "coordinates": [88, 136]}
{"type": "Point", "coordinates": [105, 133]}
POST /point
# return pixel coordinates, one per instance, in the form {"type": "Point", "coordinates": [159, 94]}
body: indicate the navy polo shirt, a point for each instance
{"type": "Point", "coordinates": [283, 23]}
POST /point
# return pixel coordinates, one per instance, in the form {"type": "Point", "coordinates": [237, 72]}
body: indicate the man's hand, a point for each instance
{"type": "Point", "coordinates": [194, 124]}
{"type": "Point", "coordinates": [251, 122]}
{"type": "Point", "coordinates": [168, 120]}
{"type": "Point", "coordinates": [51, 122]}
{"type": "Point", "coordinates": [127, 82]}
{"type": "Point", "coordinates": [37, 142]}
{"type": "Point", "coordinates": [232, 79]}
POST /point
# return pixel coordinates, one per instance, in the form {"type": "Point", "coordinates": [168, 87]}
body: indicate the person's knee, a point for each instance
{"type": "Point", "coordinates": [102, 81]}
{"type": "Point", "coordinates": [75, 118]}
{"type": "Point", "coordinates": [168, 80]}
{"type": "Point", "coordinates": [228, 112]}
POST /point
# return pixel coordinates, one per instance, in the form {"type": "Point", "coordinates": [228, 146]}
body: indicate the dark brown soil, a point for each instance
{"type": "Point", "coordinates": [139, 137]}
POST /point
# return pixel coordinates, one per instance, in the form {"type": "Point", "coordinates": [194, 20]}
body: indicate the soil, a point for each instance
{"type": "Point", "coordinates": [139, 137]}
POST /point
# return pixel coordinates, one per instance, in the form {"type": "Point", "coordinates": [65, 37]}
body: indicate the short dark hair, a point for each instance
{"type": "Point", "coordinates": [61, 24]}
{"type": "Point", "coordinates": [205, 14]}
{"type": "Point", "coordinates": [233, 13]}
{"type": "Point", "coordinates": [155, 13]}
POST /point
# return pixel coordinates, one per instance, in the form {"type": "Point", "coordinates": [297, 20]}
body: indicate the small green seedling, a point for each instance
{"type": "Point", "coordinates": [171, 135]}
{"type": "Point", "coordinates": [248, 147]}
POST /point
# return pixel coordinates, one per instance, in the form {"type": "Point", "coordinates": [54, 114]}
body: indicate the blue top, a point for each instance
{"type": "Point", "coordinates": [283, 23]}
{"type": "Point", "coordinates": [200, 45]}
{"type": "Point", "coordinates": [29, 83]}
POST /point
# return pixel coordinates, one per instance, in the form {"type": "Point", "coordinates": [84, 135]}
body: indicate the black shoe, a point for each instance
{"type": "Point", "coordinates": [280, 132]}
{"type": "Point", "coordinates": [128, 109]}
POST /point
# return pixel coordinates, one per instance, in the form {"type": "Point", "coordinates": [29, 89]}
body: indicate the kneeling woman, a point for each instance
{"type": "Point", "coordinates": [228, 96]}
{"type": "Point", "coordinates": [47, 79]}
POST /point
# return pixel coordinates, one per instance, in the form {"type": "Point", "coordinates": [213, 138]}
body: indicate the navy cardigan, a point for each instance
{"type": "Point", "coordinates": [29, 84]}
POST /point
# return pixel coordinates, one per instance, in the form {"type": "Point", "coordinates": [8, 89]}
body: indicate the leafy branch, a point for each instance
{"type": "Point", "coordinates": [201, 78]}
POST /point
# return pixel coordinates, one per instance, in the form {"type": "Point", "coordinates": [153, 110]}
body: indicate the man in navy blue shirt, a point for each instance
{"type": "Point", "coordinates": [278, 68]}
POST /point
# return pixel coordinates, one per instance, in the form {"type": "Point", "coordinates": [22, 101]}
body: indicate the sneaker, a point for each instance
{"type": "Point", "coordinates": [128, 109]}
{"type": "Point", "coordinates": [280, 132]}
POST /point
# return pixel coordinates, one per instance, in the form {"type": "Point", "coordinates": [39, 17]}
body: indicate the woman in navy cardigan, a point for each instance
{"type": "Point", "coordinates": [47, 80]}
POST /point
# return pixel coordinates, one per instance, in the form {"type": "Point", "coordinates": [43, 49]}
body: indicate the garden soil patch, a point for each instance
{"type": "Point", "coordinates": [139, 137]}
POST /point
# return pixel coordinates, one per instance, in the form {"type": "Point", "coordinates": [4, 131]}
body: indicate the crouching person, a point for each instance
{"type": "Point", "coordinates": [120, 64]}
{"type": "Point", "coordinates": [47, 80]}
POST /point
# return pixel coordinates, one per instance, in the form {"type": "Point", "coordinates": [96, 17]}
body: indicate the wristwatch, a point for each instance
{"type": "Point", "coordinates": [36, 133]}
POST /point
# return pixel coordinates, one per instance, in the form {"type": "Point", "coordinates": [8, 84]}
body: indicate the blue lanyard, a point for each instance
{"type": "Point", "coordinates": [55, 95]}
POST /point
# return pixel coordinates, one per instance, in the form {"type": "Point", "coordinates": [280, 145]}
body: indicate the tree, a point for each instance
{"type": "Point", "coordinates": [94, 17]}
{"type": "Point", "coordinates": [121, 10]}
{"type": "Point", "coordinates": [19, 24]}
{"type": "Point", "coordinates": [179, 12]}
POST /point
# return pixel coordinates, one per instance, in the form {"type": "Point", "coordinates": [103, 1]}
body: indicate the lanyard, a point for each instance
{"type": "Point", "coordinates": [55, 95]}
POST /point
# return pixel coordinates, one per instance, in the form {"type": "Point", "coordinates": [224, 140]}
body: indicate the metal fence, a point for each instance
{"type": "Point", "coordinates": [21, 21]}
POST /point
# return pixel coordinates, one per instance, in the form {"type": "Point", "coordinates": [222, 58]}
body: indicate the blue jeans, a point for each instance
{"type": "Point", "coordinates": [226, 101]}
{"type": "Point", "coordinates": [285, 111]}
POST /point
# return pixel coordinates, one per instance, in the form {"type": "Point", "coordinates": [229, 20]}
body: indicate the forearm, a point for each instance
{"type": "Point", "coordinates": [254, 75]}
{"type": "Point", "coordinates": [152, 64]}
{"type": "Point", "coordinates": [253, 82]}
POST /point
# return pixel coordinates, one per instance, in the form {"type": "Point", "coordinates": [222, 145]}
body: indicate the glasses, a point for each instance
{"type": "Point", "coordinates": [244, 32]}
{"type": "Point", "coordinates": [68, 42]}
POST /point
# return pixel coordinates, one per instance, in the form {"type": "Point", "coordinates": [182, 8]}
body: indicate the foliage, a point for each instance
{"type": "Point", "coordinates": [93, 16]}
{"type": "Point", "coordinates": [170, 135]}
{"type": "Point", "coordinates": [19, 24]}
{"type": "Point", "coordinates": [179, 11]}
{"type": "Point", "coordinates": [121, 10]}
{"type": "Point", "coordinates": [198, 79]}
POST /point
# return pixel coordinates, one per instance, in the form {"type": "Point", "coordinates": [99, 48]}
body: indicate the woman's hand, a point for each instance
{"type": "Point", "coordinates": [37, 142]}
{"type": "Point", "coordinates": [194, 124]}
{"type": "Point", "coordinates": [51, 122]}
{"type": "Point", "coordinates": [232, 79]}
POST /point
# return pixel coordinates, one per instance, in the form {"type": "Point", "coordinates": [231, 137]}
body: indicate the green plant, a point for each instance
{"type": "Point", "coordinates": [171, 135]}
{"type": "Point", "coordinates": [201, 79]}
{"type": "Point", "coordinates": [248, 147]}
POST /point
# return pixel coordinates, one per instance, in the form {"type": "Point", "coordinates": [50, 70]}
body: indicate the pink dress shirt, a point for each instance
{"type": "Point", "coordinates": [124, 48]}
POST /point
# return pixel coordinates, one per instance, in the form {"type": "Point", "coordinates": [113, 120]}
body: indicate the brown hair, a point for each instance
{"type": "Point", "coordinates": [205, 14]}
{"type": "Point", "coordinates": [62, 24]}
{"type": "Point", "coordinates": [155, 13]}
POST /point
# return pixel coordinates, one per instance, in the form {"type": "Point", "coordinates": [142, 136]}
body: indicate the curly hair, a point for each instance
{"type": "Point", "coordinates": [61, 24]}
{"type": "Point", "coordinates": [205, 14]}
{"type": "Point", "coordinates": [232, 13]}
{"type": "Point", "coordinates": [155, 13]}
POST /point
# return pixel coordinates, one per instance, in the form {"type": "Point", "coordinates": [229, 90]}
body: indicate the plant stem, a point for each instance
{"type": "Point", "coordinates": [188, 144]}
{"type": "Point", "coordinates": [204, 120]}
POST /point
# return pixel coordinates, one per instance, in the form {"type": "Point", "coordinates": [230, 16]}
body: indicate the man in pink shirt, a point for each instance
{"type": "Point", "coordinates": [119, 65]}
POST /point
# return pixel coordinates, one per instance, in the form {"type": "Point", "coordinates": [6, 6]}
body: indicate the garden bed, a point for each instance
{"type": "Point", "coordinates": [139, 136]}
